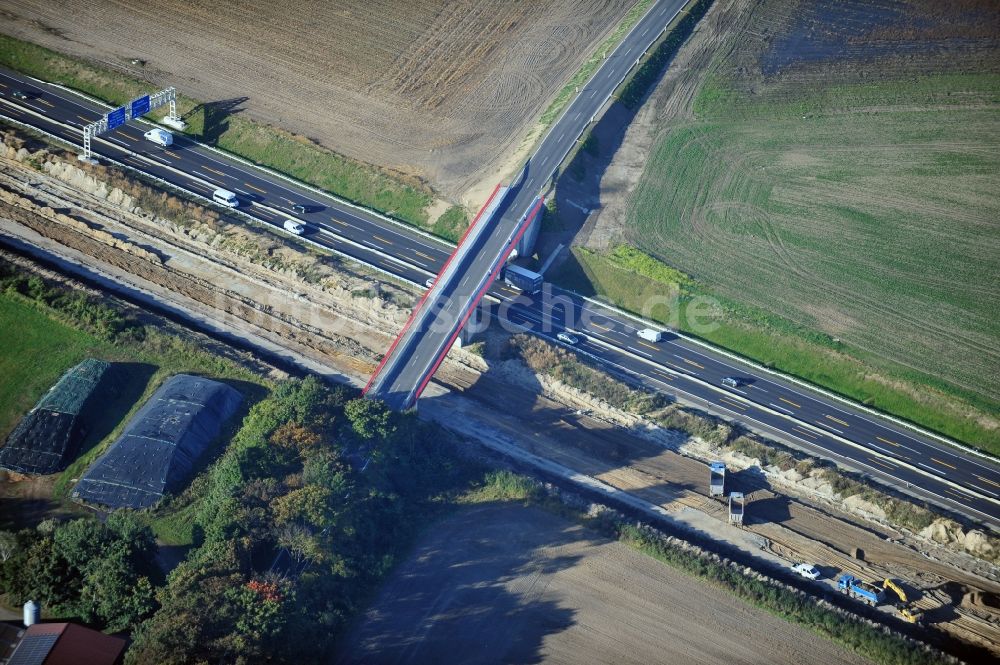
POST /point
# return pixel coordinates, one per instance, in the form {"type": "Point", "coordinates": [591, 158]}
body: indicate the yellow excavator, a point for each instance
{"type": "Point", "coordinates": [905, 609]}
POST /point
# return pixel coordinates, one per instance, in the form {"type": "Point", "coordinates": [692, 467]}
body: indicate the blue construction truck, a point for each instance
{"type": "Point", "coordinates": [855, 588]}
{"type": "Point", "coordinates": [522, 279]}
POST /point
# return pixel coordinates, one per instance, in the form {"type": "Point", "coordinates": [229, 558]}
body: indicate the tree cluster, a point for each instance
{"type": "Point", "coordinates": [299, 519]}
{"type": "Point", "coordinates": [101, 573]}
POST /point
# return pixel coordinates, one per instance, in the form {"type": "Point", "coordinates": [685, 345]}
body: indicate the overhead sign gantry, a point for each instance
{"type": "Point", "coordinates": [136, 108]}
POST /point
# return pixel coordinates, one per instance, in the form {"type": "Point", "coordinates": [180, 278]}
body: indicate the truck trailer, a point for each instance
{"type": "Point", "coordinates": [522, 279]}
{"type": "Point", "coordinates": [855, 588]}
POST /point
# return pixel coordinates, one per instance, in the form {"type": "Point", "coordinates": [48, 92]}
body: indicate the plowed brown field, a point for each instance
{"type": "Point", "coordinates": [443, 91]}
{"type": "Point", "coordinates": [506, 584]}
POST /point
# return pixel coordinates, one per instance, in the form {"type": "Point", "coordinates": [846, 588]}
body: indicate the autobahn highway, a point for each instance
{"type": "Point", "coordinates": [426, 338]}
{"type": "Point", "coordinates": [809, 419]}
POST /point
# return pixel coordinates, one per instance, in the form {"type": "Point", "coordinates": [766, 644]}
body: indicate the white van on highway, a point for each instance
{"type": "Point", "coordinates": [292, 226]}
{"type": "Point", "coordinates": [650, 334]}
{"type": "Point", "coordinates": [225, 197]}
{"type": "Point", "coordinates": [160, 137]}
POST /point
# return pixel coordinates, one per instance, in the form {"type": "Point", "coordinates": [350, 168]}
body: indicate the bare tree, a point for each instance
{"type": "Point", "coordinates": [8, 545]}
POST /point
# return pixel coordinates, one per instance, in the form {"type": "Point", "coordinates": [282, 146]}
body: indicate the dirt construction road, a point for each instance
{"type": "Point", "coordinates": [507, 584]}
{"type": "Point", "coordinates": [442, 91]}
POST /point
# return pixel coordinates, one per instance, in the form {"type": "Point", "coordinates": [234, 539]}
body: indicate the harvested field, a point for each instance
{"type": "Point", "coordinates": [502, 583]}
{"type": "Point", "coordinates": [440, 91]}
{"type": "Point", "coordinates": [831, 168]}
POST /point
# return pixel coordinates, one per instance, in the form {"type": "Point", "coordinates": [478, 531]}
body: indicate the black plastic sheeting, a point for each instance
{"type": "Point", "coordinates": [47, 439]}
{"type": "Point", "coordinates": [160, 445]}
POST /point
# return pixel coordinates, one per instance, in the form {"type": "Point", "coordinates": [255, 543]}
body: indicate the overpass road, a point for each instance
{"type": "Point", "coordinates": [425, 340]}
{"type": "Point", "coordinates": [892, 452]}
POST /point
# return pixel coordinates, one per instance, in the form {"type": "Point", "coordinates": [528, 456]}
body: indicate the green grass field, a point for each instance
{"type": "Point", "coordinates": [38, 346]}
{"type": "Point", "coordinates": [36, 351]}
{"type": "Point", "coordinates": [846, 217]}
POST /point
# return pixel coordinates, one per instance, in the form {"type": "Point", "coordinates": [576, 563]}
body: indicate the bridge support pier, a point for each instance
{"type": "Point", "coordinates": [477, 323]}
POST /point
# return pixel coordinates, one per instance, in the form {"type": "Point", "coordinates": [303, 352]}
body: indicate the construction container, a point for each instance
{"type": "Point", "coordinates": [717, 479]}
{"type": "Point", "coordinates": [736, 507]}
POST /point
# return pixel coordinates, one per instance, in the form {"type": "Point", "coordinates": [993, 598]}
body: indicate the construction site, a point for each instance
{"type": "Point", "coordinates": [192, 335]}
{"type": "Point", "coordinates": [760, 514]}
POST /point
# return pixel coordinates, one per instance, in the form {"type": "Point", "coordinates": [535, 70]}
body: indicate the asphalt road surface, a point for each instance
{"type": "Point", "coordinates": [895, 454]}
{"type": "Point", "coordinates": [425, 340]}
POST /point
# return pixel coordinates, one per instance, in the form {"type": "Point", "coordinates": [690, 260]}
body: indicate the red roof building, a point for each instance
{"type": "Point", "coordinates": [66, 644]}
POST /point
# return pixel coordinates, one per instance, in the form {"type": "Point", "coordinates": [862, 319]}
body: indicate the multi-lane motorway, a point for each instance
{"type": "Point", "coordinates": [851, 435]}
{"type": "Point", "coordinates": [417, 352]}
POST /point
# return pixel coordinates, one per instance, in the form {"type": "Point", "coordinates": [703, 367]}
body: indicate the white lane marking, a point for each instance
{"type": "Point", "coordinates": [882, 450]}
{"type": "Point", "coordinates": [643, 353]}
{"type": "Point", "coordinates": [118, 141]}
{"type": "Point", "coordinates": [781, 408]}
{"type": "Point", "coordinates": [832, 429]}
{"type": "Point", "coordinates": [930, 468]}
{"type": "Point", "coordinates": [201, 175]}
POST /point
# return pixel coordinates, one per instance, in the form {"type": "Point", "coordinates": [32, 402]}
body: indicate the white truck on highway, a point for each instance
{"type": "Point", "coordinates": [651, 334]}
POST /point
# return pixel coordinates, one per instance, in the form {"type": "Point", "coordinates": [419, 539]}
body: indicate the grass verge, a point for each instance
{"type": "Point", "coordinates": [593, 62]}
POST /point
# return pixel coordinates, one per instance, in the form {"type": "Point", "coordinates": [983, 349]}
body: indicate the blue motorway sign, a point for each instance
{"type": "Point", "coordinates": [140, 106]}
{"type": "Point", "coordinates": [116, 117]}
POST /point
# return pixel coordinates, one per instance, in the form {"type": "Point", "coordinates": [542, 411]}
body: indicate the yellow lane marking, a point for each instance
{"type": "Point", "coordinates": [46, 102]}
{"type": "Point", "coordinates": [88, 120]}
{"type": "Point", "coordinates": [209, 168]}
{"type": "Point", "coordinates": [3, 85]}
{"type": "Point", "coordinates": [689, 362]}
{"type": "Point", "coordinates": [806, 432]}
{"type": "Point", "coordinates": [257, 189]}
{"type": "Point", "coordinates": [668, 377]}
{"type": "Point", "coordinates": [987, 480]}
{"type": "Point", "coordinates": [429, 258]}
{"type": "Point", "coordinates": [337, 221]}
{"type": "Point", "coordinates": [381, 239]}
{"type": "Point", "coordinates": [650, 346]}
{"type": "Point", "coordinates": [788, 401]}
{"type": "Point", "coordinates": [934, 459]}
{"type": "Point", "coordinates": [734, 403]}
{"type": "Point", "coordinates": [958, 494]}
{"type": "Point", "coordinates": [600, 327]}
{"type": "Point", "coordinates": [881, 463]}
{"type": "Point", "coordinates": [837, 420]}
{"type": "Point", "coordinates": [172, 154]}
{"type": "Point", "coordinates": [891, 443]}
